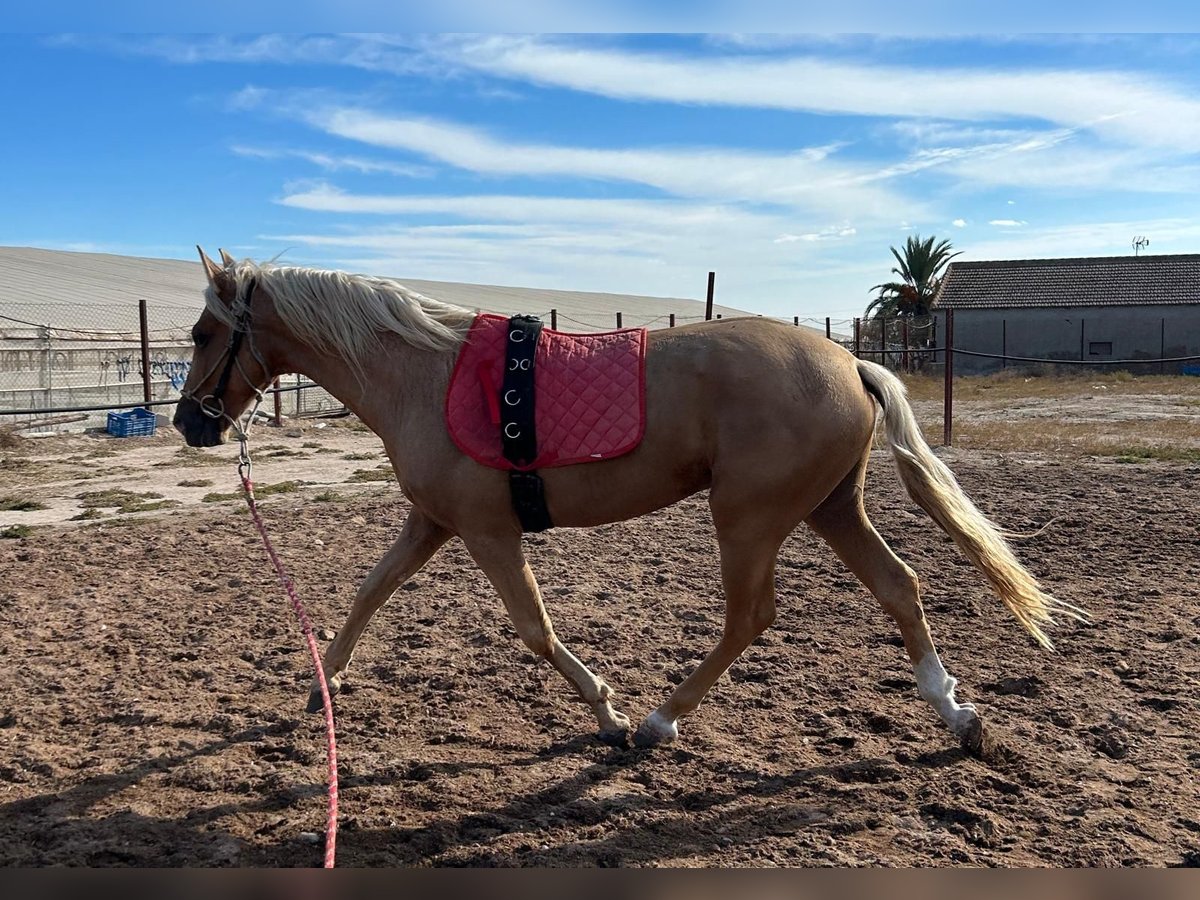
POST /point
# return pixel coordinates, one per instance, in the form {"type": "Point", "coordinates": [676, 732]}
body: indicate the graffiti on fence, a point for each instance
{"type": "Point", "coordinates": [174, 370]}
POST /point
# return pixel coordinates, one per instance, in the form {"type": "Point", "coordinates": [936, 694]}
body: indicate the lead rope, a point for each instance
{"type": "Point", "coordinates": [244, 472]}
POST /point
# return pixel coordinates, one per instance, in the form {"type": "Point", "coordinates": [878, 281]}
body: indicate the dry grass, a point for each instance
{"type": "Point", "coordinates": [123, 501]}
{"type": "Point", "coordinates": [1014, 384]}
{"type": "Point", "coordinates": [14, 504]}
{"type": "Point", "coordinates": [992, 413]}
{"type": "Point", "coordinates": [1131, 441]}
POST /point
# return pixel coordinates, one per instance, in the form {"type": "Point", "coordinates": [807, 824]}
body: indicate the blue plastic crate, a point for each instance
{"type": "Point", "coordinates": [1189, 370]}
{"type": "Point", "coordinates": [138, 421]}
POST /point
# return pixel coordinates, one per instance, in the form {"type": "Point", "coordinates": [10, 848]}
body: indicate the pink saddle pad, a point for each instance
{"type": "Point", "coordinates": [590, 401]}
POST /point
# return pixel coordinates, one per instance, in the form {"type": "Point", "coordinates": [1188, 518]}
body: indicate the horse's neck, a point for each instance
{"type": "Point", "coordinates": [398, 388]}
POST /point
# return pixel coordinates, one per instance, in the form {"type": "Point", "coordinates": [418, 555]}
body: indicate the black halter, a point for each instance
{"type": "Point", "coordinates": [213, 405]}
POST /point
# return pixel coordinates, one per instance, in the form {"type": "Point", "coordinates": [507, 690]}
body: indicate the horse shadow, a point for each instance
{"type": "Point", "coordinates": [651, 829]}
{"type": "Point", "coordinates": [84, 824]}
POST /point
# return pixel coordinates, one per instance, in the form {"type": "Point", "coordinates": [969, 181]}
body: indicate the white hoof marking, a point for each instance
{"type": "Point", "coordinates": [936, 686]}
{"type": "Point", "coordinates": [657, 725]}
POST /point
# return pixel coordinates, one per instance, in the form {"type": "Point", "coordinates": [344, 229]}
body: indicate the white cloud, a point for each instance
{"type": "Point", "coordinates": [1109, 238]}
{"type": "Point", "coordinates": [825, 234]}
{"type": "Point", "coordinates": [334, 163]}
{"type": "Point", "coordinates": [808, 178]}
{"type": "Point", "coordinates": [1008, 223]}
{"type": "Point", "coordinates": [657, 247]}
{"type": "Point", "coordinates": [1132, 108]}
{"type": "Point", "coordinates": [959, 223]}
{"type": "Point", "coordinates": [496, 207]}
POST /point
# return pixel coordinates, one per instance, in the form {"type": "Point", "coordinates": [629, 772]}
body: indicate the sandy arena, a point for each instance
{"type": "Point", "coordinates": [155, 680]}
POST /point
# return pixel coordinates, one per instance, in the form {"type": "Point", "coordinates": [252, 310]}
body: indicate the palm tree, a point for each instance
{"type": "Point", "coordinates": [920, 267]}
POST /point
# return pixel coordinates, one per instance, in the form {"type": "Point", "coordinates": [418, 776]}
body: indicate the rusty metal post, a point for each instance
{"type": "Point", "coordinates": [712, 279]}
{"type": "Point", "coordinates": [795, 320]}
{"type": "Point", "coordinates": [948, 407]}
{"type": "Point", "coordinates": [905, 362]}
{"type": "Point", "coordinates": [618, 320]}
{"type": "Point", "coordinates": [672, 320]}
{"type": "Point", "coordinates": [828, 333]}
{"type": "Point", "coordinates": [145, 329]}
{"type": "Point", "coordinates": [554, 320]}
{"type": "Point", "coordinates": [278, 404]}
{"type": "Point", "coordinates": [857, 335]}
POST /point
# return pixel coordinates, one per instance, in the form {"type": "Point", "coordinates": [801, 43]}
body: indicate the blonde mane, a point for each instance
{"type": "Point", "coordinates": [347, 313]}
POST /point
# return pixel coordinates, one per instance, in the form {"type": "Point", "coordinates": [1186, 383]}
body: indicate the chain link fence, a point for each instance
{"type": "Point", "coordinates": [55, 359]}
{"type": "Point", "coordinates": [58, 358]}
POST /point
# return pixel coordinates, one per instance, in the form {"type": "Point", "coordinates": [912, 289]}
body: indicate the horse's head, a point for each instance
{"type": "Point", "coordinates": [230, 367]}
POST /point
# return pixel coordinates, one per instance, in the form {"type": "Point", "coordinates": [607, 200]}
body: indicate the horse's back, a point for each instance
{"type": "Point", "coordinates": [764, 407]}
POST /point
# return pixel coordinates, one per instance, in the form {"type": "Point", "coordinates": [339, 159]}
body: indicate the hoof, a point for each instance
{"type": "Point", "coordinates": [614, 737]}
{"type": "Point", "coordinates": [979, 742]}
{"type": "Point", "coordinates": [316, 702]}
{"type": "Point", "coordinates": [655, 730]}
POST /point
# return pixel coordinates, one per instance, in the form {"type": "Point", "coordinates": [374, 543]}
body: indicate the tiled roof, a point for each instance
{"type": "Point", "coordinates": [1084, 281]}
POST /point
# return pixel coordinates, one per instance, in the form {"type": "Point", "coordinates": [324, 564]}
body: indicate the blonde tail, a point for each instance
{"type": "Point", "coordinates": [933, 487]}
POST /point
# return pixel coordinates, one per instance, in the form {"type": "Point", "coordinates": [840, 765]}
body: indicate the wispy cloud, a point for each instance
{"type": "Point", "coordinates": [1103, 238]}
{"type": "Point", "coordinates": [1133, 108]}
{"type": "Point", "coordinates": [332, 163]}
{"type": "Point", "coordinates": [808, 178]}
{"type": "Point", "coordinates": [825, 234]}
{"type": "Point", "coordinates": [639, 246]}
{"type": "Point", "coordinates": [959, 223]}
{"type": "Point", "coordinates": [1008, 223]}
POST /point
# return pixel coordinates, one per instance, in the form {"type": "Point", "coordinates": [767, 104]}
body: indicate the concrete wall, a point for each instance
{"type": "Point", "coordinates": [1135, 332]}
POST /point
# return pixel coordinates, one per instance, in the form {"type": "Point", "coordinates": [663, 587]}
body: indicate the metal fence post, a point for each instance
{"type": "Point", "coordinates": [672, 321]}
{"type": "Point", "coordinates": [712, 278]}
{"type": "Point", "coordinates": [618, 320]}
{"type": "Point", "coordinates": [278, 404]}
{"type": "Point", "coordinates": [948, 406]}
{"type": "Point", "coordinates": [554, 320]}
{"type": "Point", "coordinates": [857, 335]}
{"type": "Point", "coordinates": [145, 330]}
{"type": "Point", "coordinates": [828, 333]}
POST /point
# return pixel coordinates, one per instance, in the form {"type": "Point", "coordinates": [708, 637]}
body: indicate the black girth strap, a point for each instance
{"type": "Point", "coordinates": [518, 424]}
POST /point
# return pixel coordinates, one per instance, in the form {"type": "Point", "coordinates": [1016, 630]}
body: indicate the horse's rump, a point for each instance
{"type": "Point", "coordinates": [590, 394]}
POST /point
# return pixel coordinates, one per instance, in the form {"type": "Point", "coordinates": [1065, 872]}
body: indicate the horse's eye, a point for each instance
{"type": "Point", "coordinates": [199, 338]}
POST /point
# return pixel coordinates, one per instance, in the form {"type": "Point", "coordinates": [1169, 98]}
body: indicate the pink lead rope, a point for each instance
{"type": "Point", "coordinates": [306, 626]}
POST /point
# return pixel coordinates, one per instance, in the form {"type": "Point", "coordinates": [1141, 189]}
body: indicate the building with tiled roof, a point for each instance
{"type": "Point", "coordinates": [1095, 309]}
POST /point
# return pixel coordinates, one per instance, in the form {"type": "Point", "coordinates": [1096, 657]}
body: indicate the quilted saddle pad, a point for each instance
{"type": "Point", "coordinates": [590, 396]}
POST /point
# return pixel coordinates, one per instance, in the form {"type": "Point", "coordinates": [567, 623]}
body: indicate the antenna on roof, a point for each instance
{"type": "Point", "coordinates": [1139, 242]}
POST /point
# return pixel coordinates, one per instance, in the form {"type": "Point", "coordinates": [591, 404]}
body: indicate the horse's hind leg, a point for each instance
{"type": "Point", "coordinates": [748, 576]}
{"type": "Point", "coordinates": [843, 523]}
{"type": "Point", "coordinates": [503, 561]}
{"type": "Point", "coordinates": [419, 539]}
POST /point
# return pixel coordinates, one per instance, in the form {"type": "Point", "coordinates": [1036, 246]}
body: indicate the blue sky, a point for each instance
{"type": "Point", "coordinates": [630, 164]}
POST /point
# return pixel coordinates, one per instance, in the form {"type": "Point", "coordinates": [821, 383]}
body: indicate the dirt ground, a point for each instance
{"type": "Point", "coordinates": [155, 680]}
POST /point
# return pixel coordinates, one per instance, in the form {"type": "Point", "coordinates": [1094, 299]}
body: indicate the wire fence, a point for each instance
{"type": "Point", "coordinates": [65, 367]}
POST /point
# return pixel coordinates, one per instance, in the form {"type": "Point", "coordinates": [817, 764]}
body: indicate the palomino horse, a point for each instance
{"type": "Point", "coordinates": [775, 421]}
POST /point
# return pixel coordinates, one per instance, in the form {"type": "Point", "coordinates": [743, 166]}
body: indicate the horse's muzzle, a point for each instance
{"type": "Point", "coordinates": [198, 430]}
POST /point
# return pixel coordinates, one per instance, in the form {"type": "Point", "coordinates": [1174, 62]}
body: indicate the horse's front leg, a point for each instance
{"type": "Point", "coordinates": [419, 540]}
{"type": "Point", "coordinates": [503, 561]}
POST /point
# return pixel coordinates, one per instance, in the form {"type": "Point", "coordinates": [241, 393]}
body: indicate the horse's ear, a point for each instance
{"type": "Point", "coordinates": [218, 278]}
{"type": "Point", "coordinates": [225, 257]}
